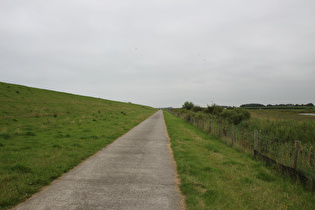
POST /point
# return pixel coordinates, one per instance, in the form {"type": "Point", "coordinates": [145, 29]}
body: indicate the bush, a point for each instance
{"type": "Point", "coordinates": [197, 109]}
{"type": "Point", "coordinates": [235, 116]}
{"type": "Point", "coordinates": [188, 105]}
{"type": "Point", "coordinates": [214, 109]}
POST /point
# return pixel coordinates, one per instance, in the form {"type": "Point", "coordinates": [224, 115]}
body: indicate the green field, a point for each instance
{"type": "Point", "coordinates": [216, 176]}
{"type": "Point", "coordinates": [283, 125]}
{"type": "Point", "coordinates": [283, 114]}
{"type": "Point", "coordinates": [44, 134]}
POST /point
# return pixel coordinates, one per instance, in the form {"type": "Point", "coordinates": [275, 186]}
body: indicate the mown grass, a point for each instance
{"type": "Point", "coordinates": [44, 134]}
{"type": "Point", "coordinates": [215, 176]}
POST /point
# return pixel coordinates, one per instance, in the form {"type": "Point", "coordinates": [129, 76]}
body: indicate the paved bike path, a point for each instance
{"type": "Point", "coordinates": [134, 172]}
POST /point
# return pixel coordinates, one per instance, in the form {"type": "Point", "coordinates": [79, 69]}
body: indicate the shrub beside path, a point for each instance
{"type": "Point", "coordinates": [135, 172]}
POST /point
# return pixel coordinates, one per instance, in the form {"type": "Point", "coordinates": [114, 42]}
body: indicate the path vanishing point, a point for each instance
{"type": "Point", "coordinates": [136, 171]}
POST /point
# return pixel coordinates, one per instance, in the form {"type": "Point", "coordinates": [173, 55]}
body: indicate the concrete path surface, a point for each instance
{"type": "Point", "coordinates": [135, 172]}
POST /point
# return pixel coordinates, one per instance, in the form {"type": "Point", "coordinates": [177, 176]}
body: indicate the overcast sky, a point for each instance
{"type": "Point", "coordinates": [163, 52]}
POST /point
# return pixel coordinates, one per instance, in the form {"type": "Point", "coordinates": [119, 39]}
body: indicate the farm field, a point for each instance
{"type": "Point", "coordinates": [216, 176]}
{"type": "Point", "coordinates": [44, 134]}
{"type": "Point", "coordinates": [283, 114]}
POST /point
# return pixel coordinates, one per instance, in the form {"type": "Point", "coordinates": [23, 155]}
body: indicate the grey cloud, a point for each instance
{"type": "Point", "coordinates": [162, 53]}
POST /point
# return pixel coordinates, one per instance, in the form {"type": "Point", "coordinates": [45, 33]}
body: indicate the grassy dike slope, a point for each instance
{"type": "Point", "coordinates": [215, 176]}
{"type": "Point", "coordinates": [45, 133]}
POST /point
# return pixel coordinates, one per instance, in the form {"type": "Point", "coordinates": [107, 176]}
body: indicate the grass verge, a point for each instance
{"type": "Point", "coordinates": [215, 176]}
{"type": "Point", "coordinates": [44, 134]}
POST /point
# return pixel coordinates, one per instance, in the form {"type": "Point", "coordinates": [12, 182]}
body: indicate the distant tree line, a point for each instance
{"type": "Point", "coordinates": [254, 105]}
